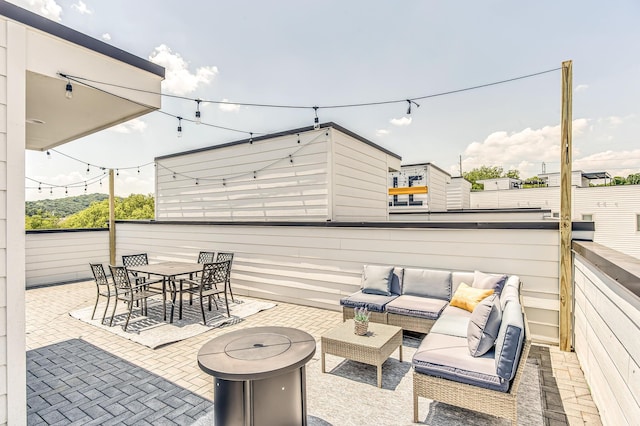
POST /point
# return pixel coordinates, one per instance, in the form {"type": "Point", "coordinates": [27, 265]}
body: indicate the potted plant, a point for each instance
{"type": "Point", "coordinates": [361, 321]}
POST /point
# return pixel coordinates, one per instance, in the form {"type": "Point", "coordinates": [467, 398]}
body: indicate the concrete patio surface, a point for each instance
{"type": "Point", "coordinates": [166, 386]}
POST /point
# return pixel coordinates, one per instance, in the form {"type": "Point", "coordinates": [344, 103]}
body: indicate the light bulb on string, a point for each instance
{"type": "Point", "coordinates": [39, 188]}
{"type": "Point", "coordinates": [255, 174]}
{"type": "Point", "coordinates": [298, 137]}
{"type": "Point", "coordinates": [197, 181]}
{"type": "Point", "coordinates": [85, 186]}
{"type": "Point", "coordinates": [100, 182]}
{"type": "Point", "coordinates": [198, 119]}
{"type": "Point", "coordinates": [174, 175]}
{"type": "Point", "coordinates": [179, 127]}
{"type": "Point", "coordinates": [250, 137]}
{"type": "Point", "coordinates": [316, 121]}
{"type": "Point", "coordinates": [138, 169]}
{"type": "Point", "coordinates": [290, 159]}
{"type": "Point", "coordinates": [51, 190]}
{"type": "Point", "coordinates": [117, 172]}
{"type": "Point", "coordinates": [66, 191]}
{"type": "Point", "coordinates": [224, 182]}
{"type": "Point", "coordinates": [68, 90]}
{"type": "Point", "coordinates": [88, 169]}
{"type": "Point", "coordinates": [48, 155]}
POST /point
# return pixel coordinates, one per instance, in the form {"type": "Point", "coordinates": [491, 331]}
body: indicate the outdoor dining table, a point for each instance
{"type": "Point", "coordinates": [168, 271]}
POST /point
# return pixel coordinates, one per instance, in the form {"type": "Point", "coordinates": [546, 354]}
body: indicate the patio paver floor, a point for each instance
{"type": "Point", "coordinates": [170, 373]}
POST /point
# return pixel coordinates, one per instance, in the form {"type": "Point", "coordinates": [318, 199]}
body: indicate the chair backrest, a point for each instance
{"type": "Point", "coordinates": [223, 256]}
{"type": "Point", "coordinates": [206, 256]}
{"type": "Point", "coordinates": [135, 260]}
{"type": "Point", "coordinates": [215, 273]}
{"type": "Point", "coordinates": [120, 277]}
{"type": "Point", "coordinates": [98, 274]}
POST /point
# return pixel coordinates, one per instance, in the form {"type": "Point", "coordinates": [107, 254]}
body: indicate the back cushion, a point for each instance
{"type": "Point", "coordinates": [396, 280]}
{"type": "Point", "coordinates": [377, 280]}
{"type": "Point", "coordinates": [492, 281]}
{"type": "Point", "coordinates": [509, 340]}
{"type": "Point", "coordinates": [427, 283]}
{"type": "Point", "coordinates": [460, 277]}
{"type": "Point", "coordinates": [511, 291]}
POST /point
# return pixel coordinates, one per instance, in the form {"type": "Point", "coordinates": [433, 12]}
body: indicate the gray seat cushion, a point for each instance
{"type": "Point", "coordinates": [414, 306]}
{"type": "Point", "coordinates": [373, 302]}
{"type": "Point", "coordinates": [484, 325]}
{"type": "Point", "coordinates": [376, 279]}
{"type": "Point", "coordinates": [509, 341]}
{"type": "Point", "coordinates": [427, 283]}
{"type": "Point", "coordinates": [453, 325]}
{"type": "Point", "coordinates": [448, 357]}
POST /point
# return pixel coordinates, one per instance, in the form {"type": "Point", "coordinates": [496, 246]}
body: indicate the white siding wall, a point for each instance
{"type": "Point", "coordinates": [280, 191]}
{"type": "Point", "coordinates": [614, 209]}
{"type": "Point", "coordinates": [359, 174]}
{"type": "Point", "coordinates": [316, 265]}
{"type": "Point", "coordinates": [3, 221]}
{"type": "Point", "coordinates": [607, 327]}
{"type": "Point", "coordinates": [437, 189]}
{"type": "Point", "coordinates": [55, 257]}
{"type": "Point", "coordinates": [458, 194]}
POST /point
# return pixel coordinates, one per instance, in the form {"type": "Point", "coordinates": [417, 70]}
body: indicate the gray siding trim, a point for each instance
{"type": "Point", "coordinates": [577, 226]}
{"type": "Point", "coordinates": [280, 134]}
{"type": "Point", "coordinates": [36, 21]}
{"type": "Point", "coordinates": [624, 269]}
{"type": "Point", "coordinates": [61, 231]}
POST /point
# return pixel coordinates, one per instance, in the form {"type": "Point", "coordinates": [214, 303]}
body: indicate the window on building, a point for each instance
{"type": "Point", "coordinates": [587, 217]}
{"type": "Point", "coordinates": [556, 214]}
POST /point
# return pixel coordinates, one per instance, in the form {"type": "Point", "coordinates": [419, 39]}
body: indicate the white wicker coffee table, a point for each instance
{"type": "Point", "coordinates": [373, 348]}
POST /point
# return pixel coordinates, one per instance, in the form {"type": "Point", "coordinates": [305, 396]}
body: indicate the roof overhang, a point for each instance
{"type": "Point", "coordinates": [102, 95]}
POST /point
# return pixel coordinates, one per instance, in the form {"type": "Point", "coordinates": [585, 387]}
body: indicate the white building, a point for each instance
{"type": "Point", "coordinates": [418, 188]}
{"type": "Point", "coordinates": [458, 194]}
{"type": "Point", "coordinates": [35, 114]}
{"type": "Point", "coordinates": [307, 174]}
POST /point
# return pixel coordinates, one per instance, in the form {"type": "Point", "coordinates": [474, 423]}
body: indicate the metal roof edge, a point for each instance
{"type": "Point", "coordinates": [26, 17]}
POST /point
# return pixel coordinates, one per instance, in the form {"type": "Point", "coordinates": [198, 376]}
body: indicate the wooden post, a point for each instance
{"type": "Point", "coordinates": [566, 284]}
{"type": "Point", "coordinates": [112, 220]}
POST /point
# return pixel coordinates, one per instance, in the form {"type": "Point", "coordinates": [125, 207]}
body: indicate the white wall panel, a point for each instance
{"type": "Point", "coordinates": [317, 265]}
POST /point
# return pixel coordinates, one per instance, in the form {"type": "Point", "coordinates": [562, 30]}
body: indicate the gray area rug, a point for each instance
{"type": "Point", "coordinates": [152, 331]}
{"type": "Point", "coordinates": [348, 395]}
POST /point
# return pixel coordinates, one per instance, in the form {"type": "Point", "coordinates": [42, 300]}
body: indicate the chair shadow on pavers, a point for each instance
{"type": "Point", "coordinates": [75, 382]}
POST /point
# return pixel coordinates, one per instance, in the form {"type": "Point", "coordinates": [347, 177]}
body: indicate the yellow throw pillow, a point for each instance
{"type": "Point", "coordinates": [467, 297]}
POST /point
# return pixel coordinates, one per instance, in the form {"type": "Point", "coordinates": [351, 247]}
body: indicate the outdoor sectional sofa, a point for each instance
{"type": "Point", "coordinates": [477, 338]}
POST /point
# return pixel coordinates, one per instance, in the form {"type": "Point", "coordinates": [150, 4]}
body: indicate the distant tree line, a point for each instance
{"type": "Point", "coordinates": [94, 215]}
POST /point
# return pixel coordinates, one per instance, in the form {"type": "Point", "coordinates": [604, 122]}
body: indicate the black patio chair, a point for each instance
{"type": "Point", "coordinates": [136, 260]}
{"type": "Point", "coordinates": [131, 293]}
{"type": "Point", "coordinates": [105, 289]}
{"type": "Point", "coordinates": [205, 286]}
{"type": "Point", "coordinates": [221, 257]}
{"type": "Point", "coordinates": [206, 256]}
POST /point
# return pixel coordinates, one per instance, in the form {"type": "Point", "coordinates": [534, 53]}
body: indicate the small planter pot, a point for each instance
{"type": "Point", "coordinates": [361, 327]}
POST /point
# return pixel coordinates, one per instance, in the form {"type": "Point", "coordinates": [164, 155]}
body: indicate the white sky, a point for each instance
{"type": "Point", "coordinates": [343, 52]}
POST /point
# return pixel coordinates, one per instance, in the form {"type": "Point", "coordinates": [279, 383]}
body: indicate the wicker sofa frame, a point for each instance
{"type": "Point", "coordinates": [495, 403]}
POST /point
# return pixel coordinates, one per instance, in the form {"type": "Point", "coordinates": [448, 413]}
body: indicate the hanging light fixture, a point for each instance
{"type": "Point", "coordinates": [179, 127]}
{"type": "Point", "coordinates": [316, 121]}
{"type": "Point", "coordinates": [198, 119]}
{"type": "Point", "coordinates": [68, 90]}
{"type": "Point", "coordinates": [48, 155]}
{"type": "Point", "coordinates": [409, 101]}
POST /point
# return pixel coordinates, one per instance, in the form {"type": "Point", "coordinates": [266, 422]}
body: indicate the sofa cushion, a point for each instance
{"type": "Point", "coordinates": [492, 281]}
{"type": "Point", "coordinates": [427, 283]}
{"type": "Point", "coordinates": [467, 297]}
{"type": "Point", "coordinates": [484, 325]}
{"type": "Point", "coordinates": [376, 279]}
{"type": "Point", "coordinates": [448, 357]}
{"type": "Point", "coordinates": [509, 341]}
{"type": "Point", "coordinates": [458, 277]}
{"type": "Point", "coordinates": [396, 280]}
{"type": "Point", "coordinates": [510, 291]}
{"type": "Point", "coordinates": [452, 325]}
{"type": "Point", "coordinates": [373, 302]}
{"type": "Point", "coordinates": [415, 306]}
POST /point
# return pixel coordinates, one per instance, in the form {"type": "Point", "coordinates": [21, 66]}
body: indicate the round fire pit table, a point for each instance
{"type": "Point", "coordinates": [259, 375]}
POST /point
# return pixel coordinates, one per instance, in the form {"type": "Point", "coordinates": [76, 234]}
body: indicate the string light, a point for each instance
{"type": "Point", "coordinates": [298, 134]}
{"type": "Point", "coordinates": [198, 119]}
{"type": "Point", "coordinates": [197, 181]}
{"type": "Point", "coordinates": [85, 187]}
{"type": "Point", "coordinates": [39, 187]}
{"type": "Point", "coordinates": [174, 175]}
{"type": "Point", "coordinates": [68, 90]}
{"type": "Point", "coordinates": [316, 121]}
{"type": "Point", "coordinates": [250, 138]}
{"type": "Point", "coordinates": [48, 155]}
{"type": "Point", "coordinates": [290, 159]}
{"type": "Point", "coordinates": [179, 126]}
{"type": "Point", "coordinates": [255, 174]}
{"type": "Point", "coordinates": [409, 108]}
{"type": "Point", "coordinates": [224, 182]}
{"type": "Point", "coordinates": [138, 169]}
{"type": "Point", "coordinates": [88, 170]}
{"type": "Point", "coordinates": [117, 172]}
{"type": "Point", "coordinates": [66, 192]}
{"type": "Point", "coordinates": [51, 190]}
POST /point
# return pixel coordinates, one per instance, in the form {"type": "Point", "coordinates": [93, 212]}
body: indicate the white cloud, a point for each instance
{"type": "Point", "coordinates": [581, 87]}
{"type": "Point", "coordinates": [106, 36]}
{"type": "Point", "coordinates": [524, 150]}
{"type": "Point", "coordinates": [614, 120]}
{"type": "Point", "coordinates": [228, 107]}
{"type": "Point", "coordinates": [404, 121]}
{"type": "Point", "coordinates": [81, 8]}
{"type": "Point", "coordinates": [178, 79]}
{"type": "Point", "coordinates": [617, 163]}
{"type": "Point", "coordinates": [136, 125]}
{"type": "Point", "coordinates": [382, 132]}
{"type": "Point", "coordinates": [47, 8]}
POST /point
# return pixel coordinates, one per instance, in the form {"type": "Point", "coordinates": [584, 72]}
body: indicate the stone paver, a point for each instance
{"type": "Point", "coordinates": [78, 374]}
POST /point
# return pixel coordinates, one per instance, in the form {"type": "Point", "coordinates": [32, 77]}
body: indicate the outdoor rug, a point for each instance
{"type": "Point", "coordinates": [152, 331]}
{"type": "Point", "coordinates": [348, 395]}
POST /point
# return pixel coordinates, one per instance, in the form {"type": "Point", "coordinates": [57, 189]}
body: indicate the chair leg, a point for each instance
{"type": "Point", "coordinates": [204, 319]}
{"type": "Point", "coordinates": [113, 313]}
{"type": "Point", "coordinates": [105, 310]}
{"type": "Point", "coordinates": [226, 302]}
{"type": "Point", "coordinates": [129, 315]}
{"type": "Point", "coordinates": [230, 292]}
{"type": "Point", "coordinates": [96, 305]}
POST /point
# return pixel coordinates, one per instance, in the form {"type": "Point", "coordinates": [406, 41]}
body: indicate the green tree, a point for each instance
{"type": "Point", "coordinates": [41, 220]}
{"type": "Point", "coordinates": [513, 174]}
{"type": "Point", "coordinates": [483, 172]}
{"type": "Point", "coordinates": [633, 179]}
{"type": "Point", "coordinates": [135, 206]}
